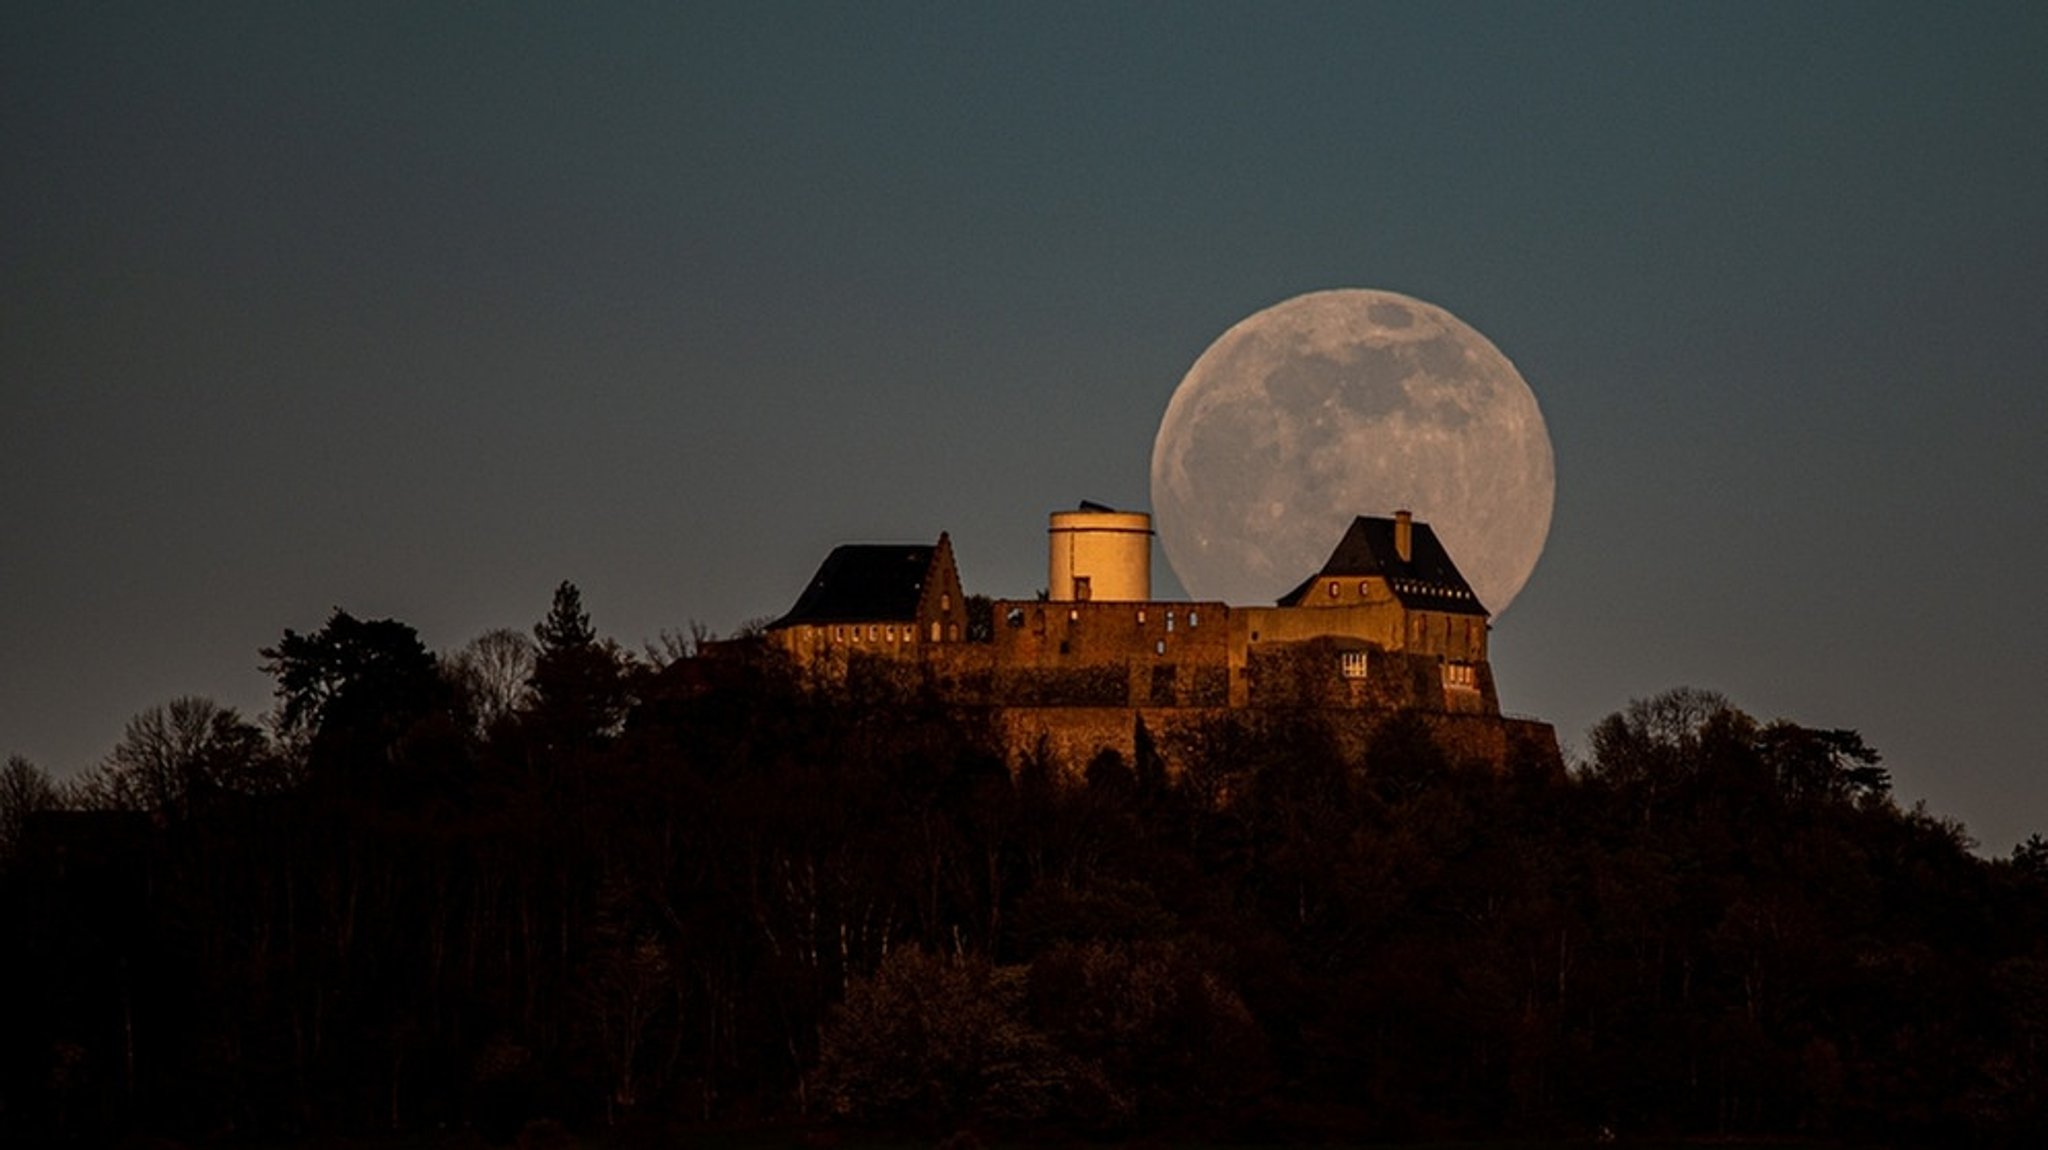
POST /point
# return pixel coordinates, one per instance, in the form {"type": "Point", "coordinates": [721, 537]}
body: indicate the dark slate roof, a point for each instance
{"type": "Point", "coordinates": [1428, 581]}
{"type": "Point", "coordinates": [864, 581]}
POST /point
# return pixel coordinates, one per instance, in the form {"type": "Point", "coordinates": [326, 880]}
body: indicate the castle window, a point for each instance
{"type": "Point", "coordinates": [1082, 589]}
{"type": "Point", "coordinates": [1353, 664]}
{"type": "Point", "coordinates": [1073, 614]}
{"type": "Point", "coordinates": [874, 632]}
{"type": "Point", "coordinates": [952, 631]}
{"type": "Point", "coordinates": [1141, 616]}
{"type": "Point", "coordinates": [946, 601]}
{"type": "Point", "coordinates": [841, 636]}
{"type": "Point", "coordinates": [1159, 648]}
{"type": "Point", "coordinates": [1459, 677]}
{"type": "Point", "coordinates": [1169, 622]}
{"type": "Point", "coordinates": [935, 630]}
{"type": "Point", "coordinates": [1193, 619]}
{"type": "Point", "coordinates": [1333, 588]}
{"type": "Point", "coordinates": [892, 632]}
{"type": "Point", "coordinates": [1361, 588]}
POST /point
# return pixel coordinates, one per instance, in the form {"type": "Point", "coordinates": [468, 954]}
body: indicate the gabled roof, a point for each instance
{"type": "Point", "coordinates": [1427, 580]}
{"type": "Point", "coordinates": [864, 582]}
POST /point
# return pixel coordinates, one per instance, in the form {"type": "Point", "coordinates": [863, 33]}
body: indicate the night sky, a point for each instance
{"type": "Point", "coordinates": [418, 310]}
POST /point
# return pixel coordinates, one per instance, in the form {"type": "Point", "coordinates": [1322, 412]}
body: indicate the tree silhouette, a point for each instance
{"type": "Point", "coordinates": [359, 691]}
{"type": "Point", "coordinates": [24, 790]}
{"type": "Point", "coordinates": [493, 672]}
{"type": "Point", "coordinates": [176, 754]}
{"type": "Point", "coordinates": [579, 682]}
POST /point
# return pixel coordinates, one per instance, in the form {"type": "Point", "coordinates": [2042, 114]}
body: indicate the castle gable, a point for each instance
{"type": "Point", "coordinates": [1422, 579]}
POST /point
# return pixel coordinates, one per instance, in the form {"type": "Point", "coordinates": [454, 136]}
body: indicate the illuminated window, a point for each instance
{"type": "Point", "coordinates": [874, 631]}
{"type": "Point", "coordinates": [1169, 621]}
{"type": "Point", "coordinates": [1193, 619]}
{"type": "Point", "coordinates": [1361, 588]}
{"type": "Point", "coordinates": [1460, 677]}
{"type": "Point", "coordinates": [1333, 588]}
{"type": "Point", "coordinates": [1159, 648]}
{"type": "Point", "coordinates": [1353, 664]}
{"type": "Point", "coordinates": [952, 631]}
{"type": "Point", "coordinates": [1141, 615]}
{"type": "Point", "coordinates": [841, 636]}
{"type": "Point", "coordinates": [935, 630]}
{"type": "Point", "coordinates": [891, 632]}
{"type": "Point", "coordinates": [946, 602]}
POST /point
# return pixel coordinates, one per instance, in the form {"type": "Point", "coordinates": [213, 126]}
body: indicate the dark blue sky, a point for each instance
{"type": "Point", "coordinates": [417, 310]}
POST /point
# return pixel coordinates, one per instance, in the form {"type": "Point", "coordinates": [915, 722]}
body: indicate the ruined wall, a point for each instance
{"type": "Point", "coordinates": [1032, 633]}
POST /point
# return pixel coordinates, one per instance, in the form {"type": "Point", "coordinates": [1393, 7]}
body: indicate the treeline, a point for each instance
{"type": "Point", "coordinates": [544, 879]}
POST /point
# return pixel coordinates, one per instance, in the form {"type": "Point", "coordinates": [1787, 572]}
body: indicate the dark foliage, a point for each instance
{"type": "Point", "coordinates": [711, 894]}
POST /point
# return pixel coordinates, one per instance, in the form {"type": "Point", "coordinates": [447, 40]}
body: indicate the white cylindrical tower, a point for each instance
{"type": "Point", "coordinates": [1100, 553]}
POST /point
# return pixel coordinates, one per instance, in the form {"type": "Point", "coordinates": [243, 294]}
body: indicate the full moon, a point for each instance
{"type": "Point", "coordinates": [1343, 403]}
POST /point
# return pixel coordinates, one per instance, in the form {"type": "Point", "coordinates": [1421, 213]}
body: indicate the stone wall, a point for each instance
{"type": "Point", "coordinates": [1072, 736]}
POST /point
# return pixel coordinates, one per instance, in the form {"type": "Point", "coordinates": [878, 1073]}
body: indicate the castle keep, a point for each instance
{"type": "Point", "coordinates": [1387, 626]}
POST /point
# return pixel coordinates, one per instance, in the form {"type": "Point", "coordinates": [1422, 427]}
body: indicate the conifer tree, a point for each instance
{"type": "Point", "coordinates": [579, 681]}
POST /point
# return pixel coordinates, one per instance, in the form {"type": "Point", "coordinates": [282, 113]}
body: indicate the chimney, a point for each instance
{"type": "Point", "coordinates": [1404, 536]}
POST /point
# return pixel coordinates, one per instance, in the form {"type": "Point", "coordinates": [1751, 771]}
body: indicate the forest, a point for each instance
{"type": "Point", "coordinates": [544, 881]}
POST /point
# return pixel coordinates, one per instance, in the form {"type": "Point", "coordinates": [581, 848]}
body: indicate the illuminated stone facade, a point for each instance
{"type": "Point", "coordinates": [1387, 626]}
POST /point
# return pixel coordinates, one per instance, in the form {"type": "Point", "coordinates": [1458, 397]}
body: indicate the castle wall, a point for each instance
{"type": "Point", "coordinates": [1071, 737]}
{"type": "Point", "coordinates": [1050, 634]}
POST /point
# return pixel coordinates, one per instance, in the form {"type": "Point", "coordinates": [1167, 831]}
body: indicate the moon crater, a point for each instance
{"type": "Point", "coordinates": [1343, 403]}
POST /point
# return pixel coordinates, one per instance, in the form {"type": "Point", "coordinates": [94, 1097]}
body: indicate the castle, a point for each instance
{"type": "Point", "coordinates": [1387, 626]}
